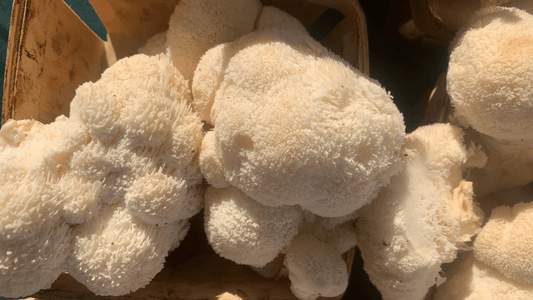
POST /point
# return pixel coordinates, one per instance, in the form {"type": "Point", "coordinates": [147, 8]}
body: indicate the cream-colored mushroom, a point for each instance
{"type": "Point", "coordinates": [470, 279]}
{"type": "Point", "coordinates": [505, 242]}
{"type": "Point", "coordinates": [315, 268]}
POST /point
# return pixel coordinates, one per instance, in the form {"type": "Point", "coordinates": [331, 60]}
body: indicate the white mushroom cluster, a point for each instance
{"type": "Point", "coordinates": [490, 84]}
{"type": "Point", "coordinates": [332, 146]}
{"type": "Point", "coordinates": [422, 218]}
{"type": "Point", "coordinates": [106, 193]}
{"type": "Point", "coordinates": [301, 141]}
{"type": "Point", "coordinates": [491, 89]}
{"type": "Point", "coordinates": [302, 145]}
{"type": "Point", "coordinates": [304, 157]}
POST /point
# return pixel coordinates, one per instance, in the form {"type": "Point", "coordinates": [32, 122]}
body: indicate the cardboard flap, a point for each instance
{"type": "Point", "coordinates": [50, 53]}
{"type": "Point", "coordinates": [130, 23]}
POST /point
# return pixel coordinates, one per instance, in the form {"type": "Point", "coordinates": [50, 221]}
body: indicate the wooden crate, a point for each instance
{"type": "Point", "coordinates": [437, 21]}
{"type": "Point", "coordinates": [51, 52]}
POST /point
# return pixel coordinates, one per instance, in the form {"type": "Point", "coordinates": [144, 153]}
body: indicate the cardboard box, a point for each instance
{"type": "Point", "coordinates": [51, 52]}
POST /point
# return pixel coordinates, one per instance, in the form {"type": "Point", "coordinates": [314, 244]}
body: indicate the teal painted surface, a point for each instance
{"type": "Point", "coordinates": [82, 8]}
{"type": "Point", "coordinates": [86, 12]}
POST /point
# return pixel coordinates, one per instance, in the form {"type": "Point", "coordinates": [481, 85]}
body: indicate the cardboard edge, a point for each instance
{"type": "Point", "coordinates": [127, 37]}
{"type": "Point", "coordinates": [362, 35]}
{"type": "Point", "coordinates": [18, 15]}
{"type": "Point", "coordinates": [357, 33]}
{"type": "Point", "coordinates": [437, 103]}
{"type": "Point", "coordinates": [35, 80]}
{"type": "Point", "coordinates": [429, 23]}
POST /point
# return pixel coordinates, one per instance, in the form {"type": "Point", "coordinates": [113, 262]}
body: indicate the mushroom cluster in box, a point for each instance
{"type": "Point", "coordinates": [423, 217]}
{"type": "Point", "coordinates": [491, 89]}
{"type": "Point", "coordinates": [305, 157]}
{"type": "Point", "coordinates": [300, 141]}
{"type": "Point", "coordinates": [106, 193]}
{"type": "Point", "coordinates": [490, 84]}
{"type": "Point", "coordinates": [302, 146]}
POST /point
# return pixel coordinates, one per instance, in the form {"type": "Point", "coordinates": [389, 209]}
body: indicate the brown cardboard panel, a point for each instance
{"type": "Point", "coordinates": [305, 11]}
{"type": "Point", "coordinates": [12, 57]}
{"type": "Point", "coordinates": [425, 20]}
{"type": "Point", "coordinates": [341, 41]}
{"type": "Point", "coordinates": [454, 13]}
{"type": "Point", "coordinates": [353, 33]}
{"type": "Point", "coordinates": [355, 40]}
{"type": "Point", "coordinates": [51, 52]}
{"type": "Point", "coordinates": [130, 23]}
{"type": "Point", "coordinates": [437, 103]}
{"type": "Point", "coordinates": [25, 60]}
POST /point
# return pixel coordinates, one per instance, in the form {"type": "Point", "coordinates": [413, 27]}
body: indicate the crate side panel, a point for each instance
{"type": "Point", "coordinates": [343, 40]}
{"type": "Point", "coordinates": [348, 39]}
{"type": "Point", "coordinates": [353, 35]}
{"type": "Point", "coordinates": [57, 52]}
{"type": "Point", "coordinates": [354, 44]}
{"type": "Point", "coordinates": [304, 11]}
{"type": "Point", "coordinates": [28, 66]}
{"type": "Point", "coordinates": [74, 55]}
{"type": "Point", "coordinates": [130, 23]}
{"type": "Point", "coordinates": [12, 58]}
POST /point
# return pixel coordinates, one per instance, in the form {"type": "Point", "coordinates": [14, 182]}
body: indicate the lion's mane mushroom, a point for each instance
{"type": "Point", "coordinates": [34, 240]}
{"type": "Point", "coordinates": [489, 73]}
{"type": "Point", "coordinates": [329, 149]}
{"type": "Point", "coordinates": [146, 144]}
{"type": "Point", "coordinates": [422, 218]}
{"type": "Point", "coordinates": [296, 130]}
{"type": "Point", "coordinates": [315, 268]}
{"type": "Point", "coordinates": [32, 264]}
{"type": "Point", "coordinates": [245, 231]}
{"type": "Point", "coordinates": [116, 253]}
{"type": "Point", "coordinates": [506, 240]}
{"type": "Point", "coordinates": [470, 279]}
{"type": "Point", "coordinates": [198, 25]}
{"type": "Point", "coordinates": [123, 169]}
{"type": "Point", "coordinates": [490, 84]}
